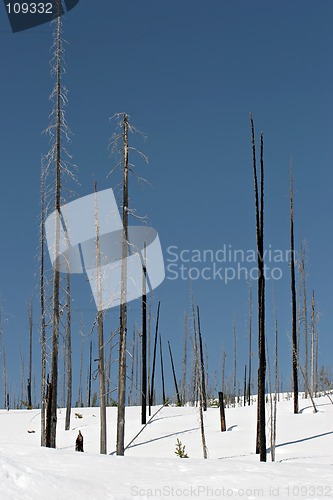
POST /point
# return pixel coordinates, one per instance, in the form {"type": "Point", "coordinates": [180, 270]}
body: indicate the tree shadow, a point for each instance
{"type": "Point", "coordinates": [301, 440]}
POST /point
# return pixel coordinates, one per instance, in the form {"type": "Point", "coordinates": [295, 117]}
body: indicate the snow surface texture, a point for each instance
{"type": "Point", "coordinates": [150, 468]}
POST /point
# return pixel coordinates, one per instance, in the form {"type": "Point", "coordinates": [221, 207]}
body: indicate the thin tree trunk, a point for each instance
{"type": "Point", "coordinates": [222, 413]}
{"type": "Point", "coordinates": [174, 377]}
{"type": "Point", "coordinates": [144, 342]}
{"type": "Point", "coordinates": [312, 387]}
{"type": "Point", "coordinates": [250, 349]}
{"type": "Point", "coordinates": [42, 308]}
{"type": "Point", "coordinates": [154, 361]}
{"type": "Point", "coordinates": [89, 376]}
{"type": "Point", "coordinates": [30, 356]}
{"type": "Point", "coordinates": [162, 371]}
{"type": "Point", "coordinates": [52, 427]}
{"type": "Point", "coordinates": [101, 364]}
{"type": "Point", "coordinates": [259, 208]}
{"type": "Point", "coordinates": [120, 446]}
{"type": "Point", "coordinates": [203, 386]}
{"type": "Point", "coordinates": [235, 366]}
{"type": "Point", "coordinates": [68, 351]}
{"type": "Point", "coordinates": [185, 359]}
{"type": "Point", "coordinates": [79, 397]}
{"type": "Point", "coordinates": [293, 299]}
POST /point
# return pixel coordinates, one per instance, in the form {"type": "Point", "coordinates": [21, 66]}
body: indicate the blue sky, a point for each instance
{"type": "Point", "coordinates": [188, 73]}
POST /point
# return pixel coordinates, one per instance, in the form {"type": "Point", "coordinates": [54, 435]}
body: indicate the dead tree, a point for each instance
{"type": "Point", "coordinates": [183, 390]}
{"type": "Point", "coordinates": [30, 356]}
{"type": "Point", "coordinates": [151, 396]}
{"type": "Point", "coordinates": [293, 297]}
{"type": "Point", "coordinates": [123, 299]}
{"type": "Point", "coordinates": [101, 367]}
{"type": "Point", "coordinates": [162, 371]}
{"type": "Point", "coordinates": [259, 209]}
{"type": "Point", "coordinates": [68, 351]}
{"type": "Point", "coordinates": [203, 385]}
{"type": "Point", "coordinates": [235, 366]}
{"type": "Point", "coordinates": [174, 376]}
{"type": "Point", "coordinates": [57, 163]}
{"type": "Point", "coordinates": [304, 317]}
{"type": "Point", "coordinates": [144, 343]}
{"type": "Point", "coordinates": [42, 305]}
{"type": "Point", "coordinates": [312, 376]}
{"type": "Point", "coordinates": [250, 349]}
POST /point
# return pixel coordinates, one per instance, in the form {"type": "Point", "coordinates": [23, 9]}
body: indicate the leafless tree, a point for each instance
{"type": "Point", "coordinates": [259, 209]}
{"type": "Point", "coordinates": [293, 296]}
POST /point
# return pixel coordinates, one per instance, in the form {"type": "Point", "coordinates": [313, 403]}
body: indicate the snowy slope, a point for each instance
{"type": "Point", "coordinates": [150, 469]}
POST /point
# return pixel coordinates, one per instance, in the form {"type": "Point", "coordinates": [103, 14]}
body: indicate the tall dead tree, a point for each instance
{"type": "Point", "coordinates": [30, 356]}
{"type": "Point", "coordinates": [57, 164]}
{"type": "Point", "coordinates": [293, 297]}
{"type": "Point", "coordinates": [144, 342]}
{"type": "Point", "coordinates": [123, 299]}
{"type": "Point", "coordinates": [183, 390]}
{"type": "Point", "coordinates": [101, 367]}
{"type": "Point", "coordinates": [162, 372]}
{"type": "Point", "coordinates": [250, 349]}
{"type": "Point", "coordinates": [305, 320]}
{"type": "Point", "coordinates": [68, 350]}
{"type": "Point", "coordinates": [42, 304]}
{"type": "Point", "coordinates": [202, 364]}
{"type": "Point", "coordinates": [259, 209]}
{"type": "Point", "coordinates": [174, 376]}
{"type": "Point", "coordinates": [151, 395]}
{"type": "Point", "coordinates": [312, 372]}
{"type": "Point", "coordinates": [235, 366]}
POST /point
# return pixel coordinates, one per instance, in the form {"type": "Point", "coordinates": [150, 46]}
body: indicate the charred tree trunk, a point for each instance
{"type": "Point", "coordinates": [162, 371]}
{"type": "Point", "coordinates": [293, 299]}
{"type": "Point", "coordinates": [154, 361]}
{"type": "Point", "coordinates": [174, 377]}
{"type": "Point", "coordinates": [68, 352]}
{"type": "Point", "coordinates": [42, 307]}
{"type": "Point", "coordinates": [259, 208]}
{"type": "Point", "coordinates": [144, 343]}
{"type": "Point", "coordinates": [123, 302]}
{"type": "Point", "coordinates": [203, 385]}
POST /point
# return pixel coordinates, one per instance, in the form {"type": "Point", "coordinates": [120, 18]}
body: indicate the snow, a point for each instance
{"type": "Point", "coordinates": [150, 468]}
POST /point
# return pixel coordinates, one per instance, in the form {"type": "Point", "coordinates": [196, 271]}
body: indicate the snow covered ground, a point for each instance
{"type": "Point", "coordinates": [150, 468]}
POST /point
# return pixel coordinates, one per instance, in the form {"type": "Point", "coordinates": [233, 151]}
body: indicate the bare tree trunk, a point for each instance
{"type": "Point", "coordinates": [101, 364]}
{"type": "Point", "coordinates": [42, 307]}
{"type": "Point", "coordinates": [305, 312]}
{"type": "Point", "coordinates": [154, 361]}
{"type": "Point", "coordinates": [89, 376]}
{"type": "Point", "coordinates": [235, 365]}
{"type": "Point", "coordinates": [144, 342]}
{"type": "Point", "coordinates": [222, 413]}
{"type": "Point", "coordinates": [162, 372]}
{"type": "Point", "coordinates": [312, 387]}
{"type": "Point", "coordinates": [195, 396]}
{"type": "Point", "coordinates": [52, 425]}
{"type": "Point", "coordinates": [250, 349]}
{"type": "Point", "coordinates": [185, 359]}
{"type": "Point", "coordinates": [30, 357]}
{"type": "Point", "coordinates": [174, 377]}
{"type": "Point", "coordinates": [132, 370]}
{"type": "Point", "coordinates": [293, 298]}
{"type": "Point", "coordinates": [120, 446]}
{"type": "Point", "coordinates": [224, 355]}
{"type": "Point", "coordinates": [68, 351]}
{"type": "Point", "coordinates": [259, 208]}
{"type": "Point", "coordinates": [79, 397]}
{"type": "Point", "coordinates": [203, 386]}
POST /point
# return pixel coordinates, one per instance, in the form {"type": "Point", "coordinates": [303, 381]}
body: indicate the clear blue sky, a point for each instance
{"type": "Point", "coordinates": [188, 73]}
